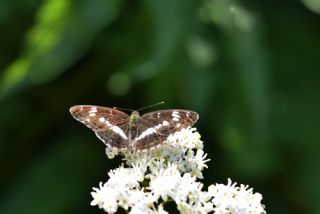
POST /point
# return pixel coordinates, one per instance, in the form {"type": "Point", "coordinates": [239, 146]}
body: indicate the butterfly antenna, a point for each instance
{"type": "Point", "coordinates": [159, 103]}
{"type": "Point", "coordinates": [123, 109]}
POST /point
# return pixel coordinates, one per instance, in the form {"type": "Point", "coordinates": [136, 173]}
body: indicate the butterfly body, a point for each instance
{"type": "Point", "coordinates": [134, 119]}
{"type": "Point", "coordinates": [122, 131]}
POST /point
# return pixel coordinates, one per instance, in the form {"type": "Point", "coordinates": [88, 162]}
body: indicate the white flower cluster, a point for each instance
{"type": "Point", "coordinates": [170, 173]}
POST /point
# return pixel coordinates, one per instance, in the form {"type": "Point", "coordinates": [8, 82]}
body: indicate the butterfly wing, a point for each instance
{"type": "Point", "coordinates": [115, 136]}
{"type": "Point", "coordinates": [145, 137]}
{"type": "Point", "coordinates": [108, 123]}
{"type": "Point", "coordinates": [156, 126]}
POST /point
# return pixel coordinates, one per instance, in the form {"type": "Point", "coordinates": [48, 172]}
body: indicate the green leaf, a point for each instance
{"type": "Point", "coordinates": [63, 32]}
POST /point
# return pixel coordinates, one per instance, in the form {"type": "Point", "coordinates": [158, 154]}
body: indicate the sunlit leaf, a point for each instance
{"type": "Point", "coordinates": [63, 31]}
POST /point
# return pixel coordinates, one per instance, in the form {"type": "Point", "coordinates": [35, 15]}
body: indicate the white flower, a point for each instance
{"type": "Point", "coordinates": [232, 199]}
{"type": "Point", "coordinates": [170, 172]}
{"type": "Point", "coordinates": [190, 198]}
{"type": "Point", "coordinates": [141, 201]}
{"type": "Point", "coordinates": [98, 196]}
{"type": "Point", "coordinates": [126, 177]}
{"type": "Point", "coordinates": [164, 183]}
{"type": "Point", "coordinates": [111, 152]}
{"type": "Point", "coordinates": [105, 198]}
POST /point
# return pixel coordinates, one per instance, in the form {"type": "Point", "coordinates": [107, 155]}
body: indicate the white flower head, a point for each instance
{"type": "Point", "coordinates": [165, 182]}
{"type": "Point", "coordinates": [170, 172]}
{"type": "Point", "coordinates": [234, 199]}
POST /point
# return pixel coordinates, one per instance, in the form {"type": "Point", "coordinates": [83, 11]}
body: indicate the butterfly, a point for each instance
{"type": "Point", "coordinates": [141, 133]}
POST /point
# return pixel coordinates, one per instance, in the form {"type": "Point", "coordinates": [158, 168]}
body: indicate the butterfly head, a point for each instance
{"type": "Point", "coordinates": [134, 118]}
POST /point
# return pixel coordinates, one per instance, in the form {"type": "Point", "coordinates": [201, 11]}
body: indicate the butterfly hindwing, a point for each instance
{"type": "Point", "coordinates": [116, 136]}
{"type": "Point", "coordinates": [146, 137]}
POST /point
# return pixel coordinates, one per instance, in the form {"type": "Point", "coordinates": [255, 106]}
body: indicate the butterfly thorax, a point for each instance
{"type": "Point", "coordinates": [134, 119]}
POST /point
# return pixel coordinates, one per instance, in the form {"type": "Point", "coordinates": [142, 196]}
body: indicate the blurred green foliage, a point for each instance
{"type": "Point", "coordinates": [249, 68]}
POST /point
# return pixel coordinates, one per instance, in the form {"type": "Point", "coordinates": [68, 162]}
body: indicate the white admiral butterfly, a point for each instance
{"type": "Point", "coordinates": [122, 131]}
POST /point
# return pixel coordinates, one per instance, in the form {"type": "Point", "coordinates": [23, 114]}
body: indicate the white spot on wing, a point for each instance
{"type": "Point", "coordinates": [145, 133]}
{"type": "Point", "coordinates": [165, 123]}
{"type": "Point", "coordinates": [101, 119]}
{"type": "Point", "coordinates": [92, 114]}
{"type": "Point", "coordinates": [175, 116]}
{"type": "Point", "coordinates": [93, 110]}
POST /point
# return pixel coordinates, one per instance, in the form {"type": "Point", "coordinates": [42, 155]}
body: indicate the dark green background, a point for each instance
{"type": "Point", "coordinates": [249, 68]}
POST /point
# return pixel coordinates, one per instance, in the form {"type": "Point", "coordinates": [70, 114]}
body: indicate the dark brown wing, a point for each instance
{"type": "Point", "coordinates": [108, 123]}
{"type": "Point", "coordinates": [156, 126]}
{"type": "Point", "coordinates": [167, 122]}
{"type": "Point", "coordinates": [98, 118]}
{"type": "Point", "coordinates": [115, 137]}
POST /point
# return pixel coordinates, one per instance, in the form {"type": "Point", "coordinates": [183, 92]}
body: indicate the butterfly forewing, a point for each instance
{"type": "Point", "coordinates": [99, 118]}
{"type": "Point", "coordinates": [167, 122]}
